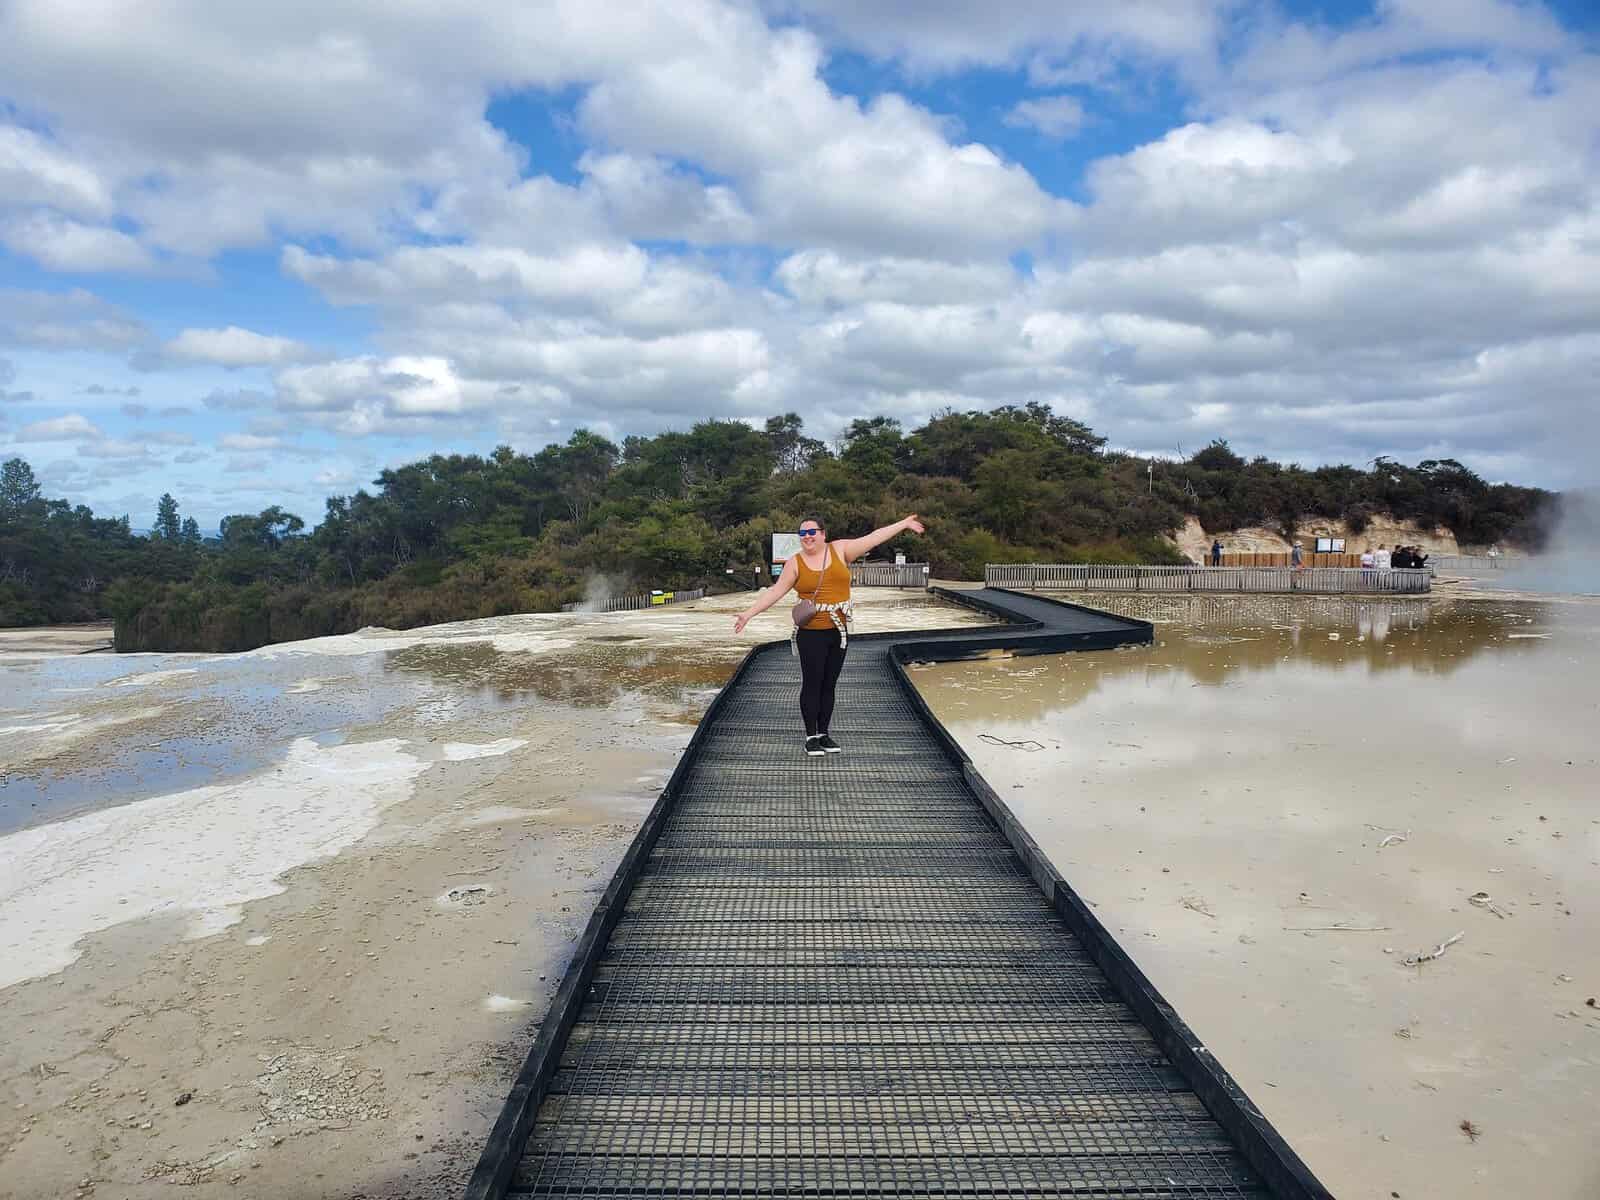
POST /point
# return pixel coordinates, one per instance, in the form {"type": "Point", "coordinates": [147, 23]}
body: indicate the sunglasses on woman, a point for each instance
{"type": "Point", "coordinates": [808, 532]}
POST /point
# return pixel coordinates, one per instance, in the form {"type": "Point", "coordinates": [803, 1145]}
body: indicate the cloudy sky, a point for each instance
{"type": "Point", "coordinates": [252, 253]}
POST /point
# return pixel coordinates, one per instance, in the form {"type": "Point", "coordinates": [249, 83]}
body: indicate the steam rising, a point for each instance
{"type": "Point", "coordinates": [1570, 562]}
{"type": "Point", "coordinates": [598, 590]}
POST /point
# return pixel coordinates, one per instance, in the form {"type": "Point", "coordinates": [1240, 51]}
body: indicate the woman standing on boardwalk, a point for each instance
{"type": "Point", "coordinates": [820, 573]}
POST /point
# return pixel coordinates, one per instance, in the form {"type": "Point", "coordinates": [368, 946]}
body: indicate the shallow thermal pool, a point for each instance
{"type": "Point", "coordinates": [1281, 800]}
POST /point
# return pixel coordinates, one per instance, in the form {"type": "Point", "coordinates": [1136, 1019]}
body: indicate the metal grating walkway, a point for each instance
{"type": "Point", "coordinates": [855, 976]}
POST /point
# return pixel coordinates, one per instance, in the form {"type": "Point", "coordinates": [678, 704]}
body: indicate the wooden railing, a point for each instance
{"type": "Point", "coordinates": [1466, 562]}
{"type": "Point", "coordinates": [629, 603]}
{"type": "Point", "coordinates": [895, 575]}
{"type": "Point", "coordinates": [1093, 577]}
{"type": "Point", "coordinates": [1279, 558]}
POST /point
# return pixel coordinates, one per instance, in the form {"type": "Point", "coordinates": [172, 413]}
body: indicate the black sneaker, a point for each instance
{"type": "Point", "coordinates": [829, 746]}
{"type": "Point", "coordinates": [814, 746]}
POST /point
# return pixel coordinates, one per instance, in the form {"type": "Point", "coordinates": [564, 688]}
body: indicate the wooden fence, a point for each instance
{"type": "Point", "coordinates": [895, 575]}
{"type": "Point", "coordinates": [629, 603]}
{"type": "Point", "coordinates": [1466, 562]}
{"type": "Point", "coordinates": [1280, 558]}
{"type": "Point", "coordinates": [1109, 578]}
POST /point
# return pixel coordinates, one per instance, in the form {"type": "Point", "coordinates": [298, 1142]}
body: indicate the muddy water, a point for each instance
{"type": "Point", "coordinates": [86, 733]}
{"type": "Point", "coordinates": [601, 672]}
{"type": "Point", "coordinates": [1281, 801]}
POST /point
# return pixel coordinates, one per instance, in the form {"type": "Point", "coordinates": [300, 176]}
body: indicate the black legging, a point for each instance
{"type": "Point", "coordinates": [821, 660]}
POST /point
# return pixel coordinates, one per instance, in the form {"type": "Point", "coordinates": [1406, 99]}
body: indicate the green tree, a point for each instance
{"type": "Point", "coordinates": [18, 487]}
{"type": "Point", "coordinates": [1011, 493]}
{"type": "Point", "coordinates": [1217, 456]}
{"type": "Point", "coordinates": [792, 451]}
{"type": "Point", "coordinates": [167, 524]}
{"type": "Point", "coordinates": [874, 448]}
{"type": "Point", "coordinates": [583, 466]}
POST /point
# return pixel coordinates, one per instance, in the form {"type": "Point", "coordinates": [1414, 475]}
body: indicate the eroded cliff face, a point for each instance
{"type": "Point", "coordinates": [1194, 540]}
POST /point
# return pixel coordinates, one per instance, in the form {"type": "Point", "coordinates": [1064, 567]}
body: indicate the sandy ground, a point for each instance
{"type": "Point", "coordinates": [300, 946]}
{"type": "Point", "coordinates": [56, 639]}
{"type": "Point", "coordinates": [1285, 800]}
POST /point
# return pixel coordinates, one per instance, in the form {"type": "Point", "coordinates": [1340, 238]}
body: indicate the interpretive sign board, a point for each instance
{"type": "Point", "coordinates": [784, 547]}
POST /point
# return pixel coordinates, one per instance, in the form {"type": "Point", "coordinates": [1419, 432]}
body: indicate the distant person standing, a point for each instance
{"type": "Point", "coordinates": [820, 573]}
{"type": "Point", "coordinates": [1296, 556]}
{"type": "Point", "coordinates": [1367, 560]}
{"type": "Point", "coordinates": [1216, 552]}
{"type": "Point", "coordinates": [1382, 560]}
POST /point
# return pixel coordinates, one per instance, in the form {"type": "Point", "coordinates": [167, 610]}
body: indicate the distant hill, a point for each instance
{"type": "Point", "coordinates": [459, 536]}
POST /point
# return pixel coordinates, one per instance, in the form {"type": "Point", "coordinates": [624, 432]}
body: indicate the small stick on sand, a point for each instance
{"type": "Point", "coordinates": [1416, 960]}
{"type": "Point", "coordinates": [1195, 904]}
{"type": "Point", "coordinates": [1029, 745]}
{"type": "Point", "coordinates": [1483, 900]}
{"type": "Point", "coordinates": [1395, 838]}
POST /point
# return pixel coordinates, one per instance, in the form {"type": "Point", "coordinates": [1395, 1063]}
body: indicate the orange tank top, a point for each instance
{"type": "Point", "coordinates": [835, 586]}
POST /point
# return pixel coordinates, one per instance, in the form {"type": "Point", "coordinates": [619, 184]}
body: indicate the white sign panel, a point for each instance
{"type": "Point", "coordinates": [785, 546]}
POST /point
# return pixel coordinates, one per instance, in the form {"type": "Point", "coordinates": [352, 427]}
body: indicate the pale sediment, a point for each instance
{"type": "Point", "coordinates": [396, 901]}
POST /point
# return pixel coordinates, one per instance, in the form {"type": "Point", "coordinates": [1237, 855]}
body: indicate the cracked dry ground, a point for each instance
{"type": "Point", "coordinates": [353, 1036]}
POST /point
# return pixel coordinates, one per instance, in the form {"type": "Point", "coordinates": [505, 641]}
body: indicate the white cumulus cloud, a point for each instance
{"type": "Point", "coordinates": [1057, 117]}
{"type": "Point", "coordinates": [234, 347]}
{"type": "Point", "coordinates": [70, 428]}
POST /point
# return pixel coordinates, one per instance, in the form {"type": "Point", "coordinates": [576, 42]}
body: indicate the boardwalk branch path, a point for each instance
{"type": "Point", "coordinates": [857, 976]}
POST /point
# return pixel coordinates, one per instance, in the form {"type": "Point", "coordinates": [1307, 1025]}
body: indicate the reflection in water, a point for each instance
{"type": "Point", "coordinates": [1278, 802]}
{"type": "Point", "coordinates": [589, 676]}
{"type": "Point", "coordinates": [1215, 641]}
{"type": "Point", "coordinates": [236, 714]}
{"type": "Point", "coordinates": [222, 718]}
{"type": "Point", "coordinates": [1366, 616]}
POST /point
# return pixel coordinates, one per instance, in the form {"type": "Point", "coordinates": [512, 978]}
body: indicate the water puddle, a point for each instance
{"type": "Point", "coordinates": [1284, 808]}
{"type": "Point", "coordinates": [594, 675]}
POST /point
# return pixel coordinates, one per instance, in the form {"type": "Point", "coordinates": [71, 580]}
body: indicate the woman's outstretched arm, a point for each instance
{"type": "Point", "coordinates": [769, 596]}
{"type": "Point", "coordinates": [854, 548]}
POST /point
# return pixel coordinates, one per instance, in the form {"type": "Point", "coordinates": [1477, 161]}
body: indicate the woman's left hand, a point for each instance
{"type": "Point", "coordinates": [914, 525]}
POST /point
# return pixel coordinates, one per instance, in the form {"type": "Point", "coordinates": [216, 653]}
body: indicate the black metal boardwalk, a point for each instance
{"type": "Point", "coordinates": [857, 976]}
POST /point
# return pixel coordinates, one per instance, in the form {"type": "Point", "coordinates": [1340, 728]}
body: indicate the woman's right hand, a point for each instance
{"type": "Point", "coordinates": [740, 622]}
